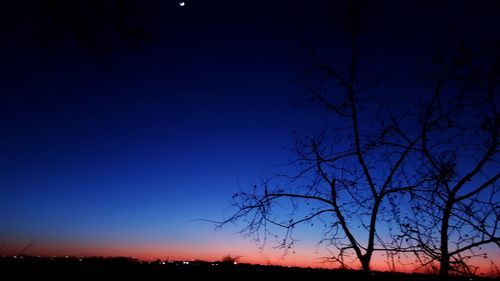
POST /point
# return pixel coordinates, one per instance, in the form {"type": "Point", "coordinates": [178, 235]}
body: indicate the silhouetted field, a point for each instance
{"type": "Point", "coordinates": [70, 268]}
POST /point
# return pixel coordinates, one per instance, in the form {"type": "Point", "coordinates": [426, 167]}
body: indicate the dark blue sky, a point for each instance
{"type": "Point", "coordinates": [132, 147]}
{"type": "Point", "coordinates": [127, 148]}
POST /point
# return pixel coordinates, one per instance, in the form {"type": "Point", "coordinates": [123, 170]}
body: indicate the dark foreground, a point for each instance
{"type": "Point", "coordinates": [45, 268]}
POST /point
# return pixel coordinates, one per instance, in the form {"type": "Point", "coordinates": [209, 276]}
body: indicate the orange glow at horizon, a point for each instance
{"type": "Point", "coordinates": [246, 254]}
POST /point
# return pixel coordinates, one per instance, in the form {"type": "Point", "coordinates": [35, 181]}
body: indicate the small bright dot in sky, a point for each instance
{"type": "Point", "coordinates": [182, 4]}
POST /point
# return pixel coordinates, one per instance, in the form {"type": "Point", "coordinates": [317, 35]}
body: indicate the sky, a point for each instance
{"type": "Point", "coordinates": [119, 144]}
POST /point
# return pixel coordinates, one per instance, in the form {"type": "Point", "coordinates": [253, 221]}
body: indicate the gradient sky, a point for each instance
{"type": "Point", "coordinates": [121, 153]}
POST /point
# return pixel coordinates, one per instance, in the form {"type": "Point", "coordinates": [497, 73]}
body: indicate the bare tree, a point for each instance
{"type": "Point", "coordinates": [382, 177]}
{"type": "Point", "coordinates": [430, 171]}
{"type": "Point", "coordinates": [350, 176]}
{"type": "Point", "coordinates": [459, 212]}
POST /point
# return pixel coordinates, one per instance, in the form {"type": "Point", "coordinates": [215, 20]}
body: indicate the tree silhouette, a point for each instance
{"type": "Point", "coordinates": [459, 211]}
{"type": "Point", "coordinates": [229, 259]}
{"type": "Point", "coordinates": [423, 174]}
{"type": "Point", "coordinates": [350, 175]}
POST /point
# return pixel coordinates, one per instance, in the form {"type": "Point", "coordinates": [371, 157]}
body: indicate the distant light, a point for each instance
{"type": "Point", "coordinates": [182, 4]}
{"type": "Point", "coordinates": [162, 262]}
{"type": "Point", "coordinates": [15, 257]}
{"type": "Point", "coordinates": [80, 260]}
{"type": "Point", "coordinates": [235, 263]}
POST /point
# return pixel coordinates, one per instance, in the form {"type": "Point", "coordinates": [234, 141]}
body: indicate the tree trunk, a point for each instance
{"type": "Point", "coordinates": [444, 262]}
{"type": "Point", "coordinates": [444, 266]}
{"type": "Point", "coordinates": [365, 264]}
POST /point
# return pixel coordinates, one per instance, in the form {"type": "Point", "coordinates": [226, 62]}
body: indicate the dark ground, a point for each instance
{"type": "Point", "coordinates": [46, 268]}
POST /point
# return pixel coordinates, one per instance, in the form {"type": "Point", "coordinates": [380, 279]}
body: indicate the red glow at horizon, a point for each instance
{"type": "Point", "coordinates": [248, 254]}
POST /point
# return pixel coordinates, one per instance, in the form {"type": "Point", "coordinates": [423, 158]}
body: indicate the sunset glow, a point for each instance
{"type": "Point", "coordinates": [289, 133]}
